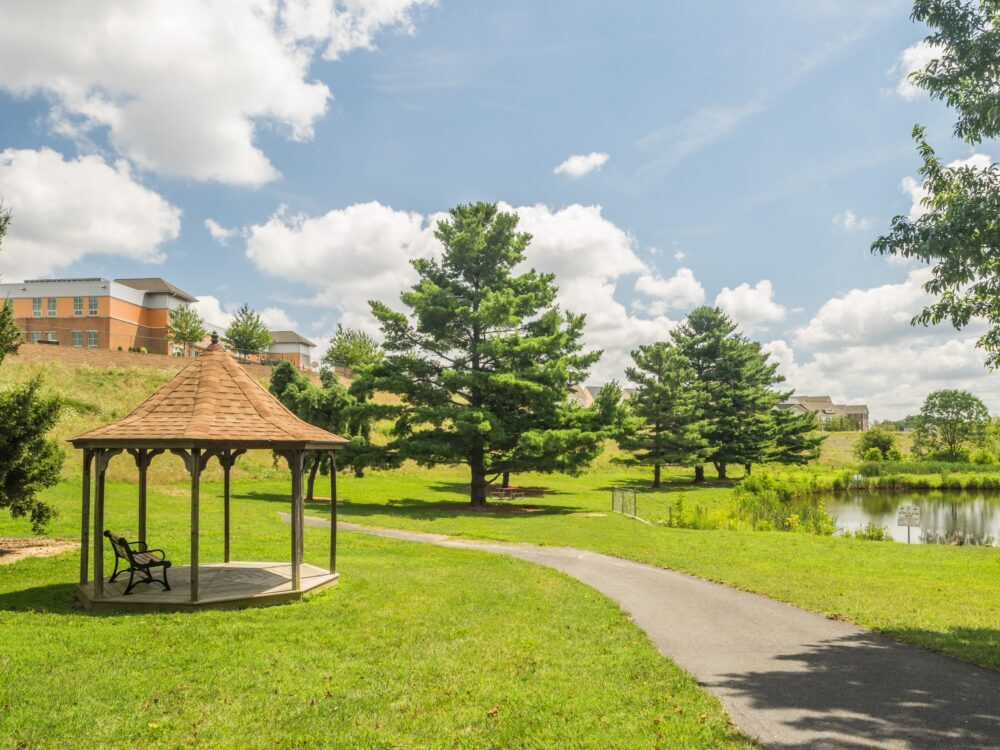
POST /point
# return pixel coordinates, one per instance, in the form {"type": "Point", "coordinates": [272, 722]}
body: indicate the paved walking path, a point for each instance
{"type": "Point", "coordinates": [788, 677]}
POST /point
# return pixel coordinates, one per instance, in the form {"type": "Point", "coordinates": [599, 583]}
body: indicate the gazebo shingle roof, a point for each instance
{"type": "Point", "coordinates": [212, 401]}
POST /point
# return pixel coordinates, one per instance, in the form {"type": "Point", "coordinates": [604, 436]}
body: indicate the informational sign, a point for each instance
{"type": "Point", "coordinates": [908, 515]}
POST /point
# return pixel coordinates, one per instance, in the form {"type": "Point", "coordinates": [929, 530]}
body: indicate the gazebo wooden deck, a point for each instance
{"type": "Point", "coordinates": [210, 409]}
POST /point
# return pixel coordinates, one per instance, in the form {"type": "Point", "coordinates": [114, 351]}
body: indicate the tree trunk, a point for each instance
{"type": "Point", "coordinates": [656, 475]}
{"type": "Point", "coordinates": [699, 473]}
{"type": "Point", "coordinates": [477, 490]}
{"type": "Point", "coordinates": [312, 479]}
{"type": "Point", "coordinates": [720, 469]}
{"type": "Point", "coordinates": [746, 467]}
{"type": "Point", "coordinates": [506, 480]}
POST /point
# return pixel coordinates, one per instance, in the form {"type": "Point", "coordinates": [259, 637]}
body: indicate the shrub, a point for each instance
{"type": "Point", "coordinates": [983, 457]}
{"type": "Point", "coordinates": [873, 533]}
{"type": "Point", "coordinates": [873, 454]}
{"type": "Point", "coordinates": [894, 454]}
{"type": "Point", "coordinates": [875, 439]}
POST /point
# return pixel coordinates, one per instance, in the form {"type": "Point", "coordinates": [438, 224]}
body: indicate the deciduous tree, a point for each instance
{"type": "Point", "coordinates": [353, 349]}
{"type": "Point", "coordinates": [950, 422]}
{"type": "Point", "coordinates": [185, 327]}
{"type": "Point", "coordinates": [247, 334]}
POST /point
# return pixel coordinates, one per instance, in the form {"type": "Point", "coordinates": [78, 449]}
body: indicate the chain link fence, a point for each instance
{"type": "Point", "coordinates": [624, 500]}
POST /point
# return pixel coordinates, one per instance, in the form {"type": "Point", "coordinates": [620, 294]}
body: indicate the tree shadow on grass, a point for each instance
{"type": "Point", "coordinates": [51, 599]}
{"type": "Point", "coordinates": [671, 485]}
{"type": "Point", "coordinates": [427, 509]}
{"type": "Point", "coordinates": [868, 690]}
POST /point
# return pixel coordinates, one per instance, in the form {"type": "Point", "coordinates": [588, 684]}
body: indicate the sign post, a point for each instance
{"type": "Point", "coordinates": [908, 516]}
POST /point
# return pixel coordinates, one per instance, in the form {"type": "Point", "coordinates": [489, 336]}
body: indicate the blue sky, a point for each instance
{"type": "Point", "coordinates": [753, 151]}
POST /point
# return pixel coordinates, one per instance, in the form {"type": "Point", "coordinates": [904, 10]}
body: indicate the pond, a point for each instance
{"type": "Point", "coordinates": [946, 517]}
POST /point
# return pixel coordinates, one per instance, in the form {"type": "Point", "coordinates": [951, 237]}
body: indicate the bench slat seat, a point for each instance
{"type": "Point", "coordinates": [140, 560]}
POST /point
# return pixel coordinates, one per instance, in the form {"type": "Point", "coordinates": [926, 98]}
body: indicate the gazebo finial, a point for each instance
{"type": "Point", "coordinates": [215, 346]}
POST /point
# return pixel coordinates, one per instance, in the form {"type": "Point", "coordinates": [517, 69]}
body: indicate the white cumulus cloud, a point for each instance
{"type": "Point", "coordinates": [849, 221]}
{"type": "Point", "coordinates": [219, 233]}
{"type": "Point", "coordinates": [66, 210]}
{"type": "Point", "coordinates": [912, 59]}
{"type": "Point", "coordinates": [679, 292]}
{"type": "Point", "coordinates": [753, 307]}
{"type": "Point", "coordinates": [182, 88]}
{"type": "Point", "coordinates": [579, 165]}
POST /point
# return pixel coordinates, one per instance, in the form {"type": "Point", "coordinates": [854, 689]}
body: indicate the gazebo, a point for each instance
{"type": "Point", "coordinates": [211, 409]}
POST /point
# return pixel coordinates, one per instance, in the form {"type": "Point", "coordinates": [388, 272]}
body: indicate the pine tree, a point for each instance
{"type": "Point", "coordinates": [738, 381]}
{"type": "Point", "coordinates": [247, 334]}
{"type": "Point", "coordinates": [668, 401]}
{"type": "Point", "coordinates": [185, 327]}
{"type": "Point", "coordinates": [795, 438]}
{"type": "Point", "coordinates": [485, 367]}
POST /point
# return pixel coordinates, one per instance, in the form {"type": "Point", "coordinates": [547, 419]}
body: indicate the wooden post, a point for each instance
{"type": "Point", "coordinates": [100, 464]}
{"type": "Point", "coordinates": [142, 461]}
{"type": "Point", "coordinates": [195, 469]}
{"type": "Point", "coordinates": [295, 464]}
{"type": "Point", "coordinates": [333, 511]}
{"type": "Point", "coordinates": [225, 502]}
{"type": "Point", "coordinates": [85, 518]}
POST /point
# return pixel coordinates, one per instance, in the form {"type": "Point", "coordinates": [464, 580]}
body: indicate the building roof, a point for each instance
{"type": "Point", "coordinates": [156, 285]}
{"type": "Point", "coordinates": [289, 337]}
{"type": "Point", "coordinates": [213, 402]}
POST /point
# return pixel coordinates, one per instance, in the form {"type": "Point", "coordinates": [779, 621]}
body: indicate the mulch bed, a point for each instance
{"type": "Point", "coordinates": [13, 549]}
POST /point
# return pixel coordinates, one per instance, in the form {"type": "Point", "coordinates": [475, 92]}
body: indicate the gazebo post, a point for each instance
{"type": "Point", "coordinates": [85, 518]}
{"type": "Point", "coordinates": [295, 458]}
{"type": "Point", "coordinates": [333, 512]}
{"type": "Point", "coordinates": [101, 458]}
{"type": "Point", "coordinates": [141, 460]}
{"type": "Point", "coordinates": [195, 468]}
{"type": "Point", "coordinates": [224, 459]}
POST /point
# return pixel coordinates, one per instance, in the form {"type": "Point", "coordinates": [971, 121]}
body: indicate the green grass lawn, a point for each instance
{"type": "Point", "coordinates": [416, 647]}
{"type": "Point", "coordinates": [940, 597]}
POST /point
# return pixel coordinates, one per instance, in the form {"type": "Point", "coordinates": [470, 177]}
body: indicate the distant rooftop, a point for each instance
{"type": "Point", "coordinates": [156, 285]}
{"type": "Point", "coordinates": [289, 337]}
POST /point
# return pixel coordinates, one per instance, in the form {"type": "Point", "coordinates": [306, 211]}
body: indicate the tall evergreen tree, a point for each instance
{"type": "Point", "coordinates": [247, 334]}
{"type": "Point", "coordinates": [739, 390]}
{"type": "Point", "coordinates": [485, 361]}
{"type": "Point", "coordinates": [185, 327]}
{"type": "Point", "coordinates": [795, 438]}
{"type": "Point", "coordinates": [669, 403]}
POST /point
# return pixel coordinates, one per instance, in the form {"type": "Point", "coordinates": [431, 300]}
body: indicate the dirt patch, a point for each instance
{"type": "Point", "coordinates": [14, 549]}
{"type": "Point", "coordinates": [592, 515]}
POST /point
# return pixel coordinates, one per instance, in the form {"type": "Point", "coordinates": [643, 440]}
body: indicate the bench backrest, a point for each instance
{"type": "Point", "coordinates": [120, 546]}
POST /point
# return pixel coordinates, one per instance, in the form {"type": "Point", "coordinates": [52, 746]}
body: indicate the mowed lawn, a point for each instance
{"type": "Point", "coordinates": [416, 647]}
{"type": "Point", "coordinates": [937, 596]}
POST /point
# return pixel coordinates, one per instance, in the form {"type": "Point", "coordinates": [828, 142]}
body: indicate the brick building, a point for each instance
{"type": "Point", "coordinates": [96, 313]}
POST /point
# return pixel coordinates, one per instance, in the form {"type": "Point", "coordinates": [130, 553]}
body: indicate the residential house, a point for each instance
{"type": "Point", "coordinates": [96, 313]}
{"type": "Point", "coordinates": [293, 347]}
{"type": "Point", "coordinates": [854, 416]}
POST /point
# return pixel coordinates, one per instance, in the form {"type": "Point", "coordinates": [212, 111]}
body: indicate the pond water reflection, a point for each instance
{"type": "Point", "coordinates": [946, 517]}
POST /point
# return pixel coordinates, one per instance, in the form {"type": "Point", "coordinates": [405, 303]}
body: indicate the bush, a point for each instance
{"type": "Point", "coordinates": [875, 439]}
{"type": "Point", "coordinates": [894, 454]}
{"type": "Point", "coordinates": [873, 454]}
{"type": "Point", "coordinates": [983, 457]}
{"type": "Point", "coordinates": [873, 533]}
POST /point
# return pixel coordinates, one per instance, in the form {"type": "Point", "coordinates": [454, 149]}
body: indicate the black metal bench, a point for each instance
{"type": "Point", "coordinates": [140, 560]}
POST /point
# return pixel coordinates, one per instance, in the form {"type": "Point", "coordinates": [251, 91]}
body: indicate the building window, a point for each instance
{"type": "Point", "coordinates": [91, 339]}
{"type": "Point", "coordinates": [52, 307]}
{"type": "Point", "coordinates": [77, 338]}
{"type": "Point", "coordinates": [36, 336]}
{"type": "Point", "coordinates": [52, 336]}
{"type": "Point", "coordinates": [92, 306]}
{"type": "Point", "coordinates": [36, 307]}
{"type": "Point", "coordinates": [77, 307]}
